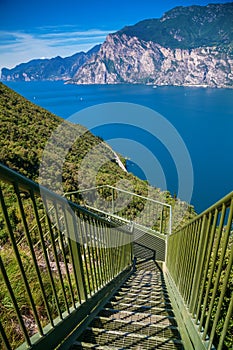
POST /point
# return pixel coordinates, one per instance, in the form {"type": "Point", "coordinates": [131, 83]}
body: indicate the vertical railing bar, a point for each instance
{"type": "Point", "coordinates": [194, 258]}
{"type": "Point", "coordinates": [115, 252]}
{"type": "Point", "coordinates": [54, 249]}
{"type": "Point", "coordinates": [76, 247]}
{"type": "Point", "coordinates": [199, 262]}
{"type": "Point", "coordinates": [72, 255]}
{"type": "Point", "coordinates": [210, 275]}
{"type": "Point", "coordinates": [101, 261]}
{"type": "Point", "coordinates": [91, 255]}
{"type": "Point", "coordinates": [181, 250]}
{"type": "Point", "coordinates": [99, 257]}
{"type": "Point", "coordinates": [174, 244]}
{"type": "Point", "coordinates": [61, 234]}
{"type": "Point", "coordinates": [185, 258]}
{"type": "Point", "coordinates": [94, 248]}
{"type": "Point", "coordinates": [110, 249]}
{"type": "Point", "coordinates": [23, 216]}
{"type": "Point", "coordinates": [106, 255]}
{"type": "Point", "coordinates": [104, 230]}
{"type": "Point", "coordinates": [85, 255]}
{"type": "Point", "coordinates": [220, 301]}
{"type": "Point", "coordinates": [45, 255]}
{"type": "Point", "coordinates": [19, 261]}
{"type": "Point", "coordinates": [4, 337]}
{"type": "Point", "coordinates": [16, 307]}
{"type": "Point", "coordinates": [224, 246]}
{"type": "Point", "coordinates": [225, 326]}
{"type": "Point", "coordinates": [188, 257]}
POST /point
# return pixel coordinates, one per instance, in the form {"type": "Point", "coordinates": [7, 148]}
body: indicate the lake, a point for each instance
{"type": "Point", "coordinates": [202, 117]}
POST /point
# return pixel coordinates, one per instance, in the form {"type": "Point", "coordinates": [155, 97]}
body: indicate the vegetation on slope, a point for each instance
{"type": "Point", "coordinates": [188, 27]}
{"type": "Point", "coordinates": [25, 130]}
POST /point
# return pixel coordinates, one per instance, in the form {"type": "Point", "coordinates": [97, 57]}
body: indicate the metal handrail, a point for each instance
{"type": "Point", "coordinates": [199, 261]}
{"type": "Point", "coordinates": [69, 275]}
{"type": "Point", "coordinates": [155, 213]}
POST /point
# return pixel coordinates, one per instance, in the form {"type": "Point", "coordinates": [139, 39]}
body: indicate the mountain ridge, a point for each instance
{"type": "Point", "coordinates": [187, 27]}
{"type": "Point", "coordinates": [187, 46]}
{"type": "Point", "coordinates": [56, 68]}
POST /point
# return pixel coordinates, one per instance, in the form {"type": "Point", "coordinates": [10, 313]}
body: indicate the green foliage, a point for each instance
{"type": "Point", "coordinates": [25, 130]}
{"type": "Point", "coordinates": [188, 27]}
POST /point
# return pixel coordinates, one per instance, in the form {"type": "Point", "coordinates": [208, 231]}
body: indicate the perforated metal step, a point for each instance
{"type": "Point", "coordinates": [139, 316]}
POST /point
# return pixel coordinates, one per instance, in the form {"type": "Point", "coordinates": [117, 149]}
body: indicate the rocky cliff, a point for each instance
{"type": "Point", "coordinates": [189, 46]}
{"type": "Point", "coordinates": [124, 59]}
{"type": "Point", "coordinates": [56, 68]}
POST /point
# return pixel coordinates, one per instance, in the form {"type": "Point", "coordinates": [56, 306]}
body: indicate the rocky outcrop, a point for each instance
{"type": "Point", "coordinates": [56, 68]}
{"type": "Point", "coordinates": [189, 46]}
{"type": "Point", "coordinates": [124, 59]}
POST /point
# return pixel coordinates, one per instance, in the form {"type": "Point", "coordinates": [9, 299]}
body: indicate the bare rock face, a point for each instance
{"type": "Point", "coordinates": [189, 46]}
{"type": "Point", "coordinates": [125, 59]}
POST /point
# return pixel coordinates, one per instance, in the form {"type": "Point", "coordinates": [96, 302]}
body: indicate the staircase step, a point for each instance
{"type": "Point", "coordinates": [139, 327]}
{"type": "Point", "coordinates": [85, 346]}
{"type": "Point", "coordinates": [147, 301]}
{"type": "Point", "coordinates": [139, 308]}
{"type": "Point", "coordinates": [139, 316]}
{"type": "Point", "coordinates": [126, 340]}
{"type": "Point", "coordinates": [152, 295]}
{"type": "Point", "coordinates": [131, 316]}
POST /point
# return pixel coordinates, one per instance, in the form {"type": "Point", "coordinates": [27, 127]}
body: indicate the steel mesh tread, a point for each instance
{"type": "Point", "coordinates": [139, 308]}
{"type": "Point", "coordinates": [124, 340]}
{"type": "Point", "coordinates": [139, 327]}
{"type": "Point", "coordinates": [156, 302]}
{"type": "Point", "coordinates": [138, 316]}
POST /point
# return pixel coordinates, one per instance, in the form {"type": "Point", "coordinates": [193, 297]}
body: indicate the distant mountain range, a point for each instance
{"type": "Point", "coordinates": [189, 46]}
{"type": "Point", "coordinates": [56, 68]}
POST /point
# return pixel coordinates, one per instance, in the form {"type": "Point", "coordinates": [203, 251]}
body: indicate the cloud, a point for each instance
{"type": "Point", "coordinates": [18, 46]}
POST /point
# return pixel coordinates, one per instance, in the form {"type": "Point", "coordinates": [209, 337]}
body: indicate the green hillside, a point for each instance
{"type": "Point", "coordinates": [189, 27]}
{"type": "Point", "coordinates": [25, 130]}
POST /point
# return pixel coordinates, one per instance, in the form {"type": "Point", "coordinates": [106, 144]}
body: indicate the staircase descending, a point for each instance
{"type": "Point", "coordinates": [69, 278]}
{"type": "Point", "coordinates": [138, 316]}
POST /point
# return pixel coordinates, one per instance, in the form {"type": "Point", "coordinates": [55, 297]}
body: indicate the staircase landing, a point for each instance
{"type": "Point", "coordinates": [138, 316]}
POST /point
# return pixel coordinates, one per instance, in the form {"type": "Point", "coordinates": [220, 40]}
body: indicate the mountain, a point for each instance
{"type": "Point", "coordinates": [56, 68]}
{"type": "Point", "coordinates": [188, 27]}
{"type": "Point", "coordinates": [189, 46]}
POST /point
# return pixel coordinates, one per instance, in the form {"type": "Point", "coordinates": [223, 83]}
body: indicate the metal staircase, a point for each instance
{"type": "Point", "coordinates": [73, 279]}
{"type": "Point", "coordinates": [138, 316]}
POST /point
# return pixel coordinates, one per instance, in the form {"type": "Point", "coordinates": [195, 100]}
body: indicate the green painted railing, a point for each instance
{"type": "Point", "coordinates": [199, 262]}
{"type": "Point", "coordinates": [58, 263]}
{"type": "Point", "coordinates": [127, 206]}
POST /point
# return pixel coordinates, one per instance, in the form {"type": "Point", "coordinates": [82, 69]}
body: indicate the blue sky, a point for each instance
{"type": "Point", "coordinates": [40, 28]}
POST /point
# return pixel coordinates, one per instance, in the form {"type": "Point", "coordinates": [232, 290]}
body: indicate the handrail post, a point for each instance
{"type": "Point", "coordinates": [76, 252]}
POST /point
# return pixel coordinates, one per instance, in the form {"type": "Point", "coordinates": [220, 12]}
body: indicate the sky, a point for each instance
{"type": "Point", "coordinates": [50, 28]}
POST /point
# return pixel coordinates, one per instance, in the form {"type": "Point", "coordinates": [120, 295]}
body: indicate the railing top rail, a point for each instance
{"type": "Point", "coordinates": [225, 200]}
{"type": "Point", "coordinates": [10, 176]}
{"type": "Point", "coordinates": [130, 223]}
{"type": "Point", "coordinates": [120, 190]}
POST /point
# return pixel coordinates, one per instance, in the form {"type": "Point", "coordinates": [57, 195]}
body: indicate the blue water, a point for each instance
{"type": "Point", "coordinates": [202, 117]}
